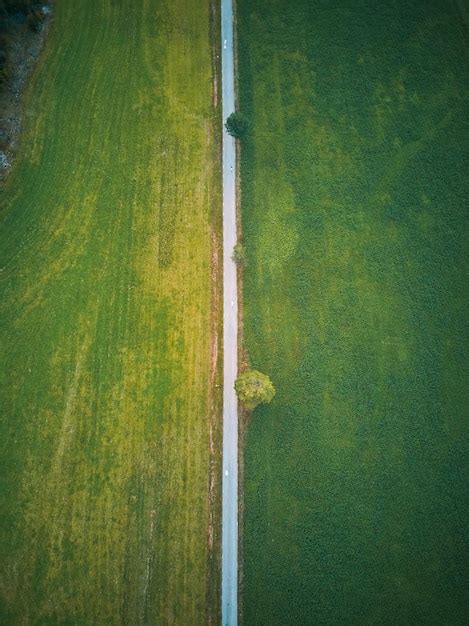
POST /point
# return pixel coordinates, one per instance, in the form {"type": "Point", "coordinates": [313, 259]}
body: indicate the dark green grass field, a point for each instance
{"type": "Point", "coordinates": [108, 321]}
{"type": "Point", "coordinates": [356, 303]}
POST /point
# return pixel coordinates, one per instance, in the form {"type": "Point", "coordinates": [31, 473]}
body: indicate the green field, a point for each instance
{"type": "Point", "coordinates": [355, 223]}
{"type": "Point", "coordinates": [108, 314]}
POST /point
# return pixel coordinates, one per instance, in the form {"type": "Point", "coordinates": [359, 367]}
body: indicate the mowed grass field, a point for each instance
{"type": "Point", "coordinates": [108, 243]}
{"type": "Point", "coordinates": [355, 218]}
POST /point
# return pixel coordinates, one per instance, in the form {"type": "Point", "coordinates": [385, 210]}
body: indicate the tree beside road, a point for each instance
{"type": "Point", "coordinates": [236, 125]}
{"type": "Point", "coordinates": [254, 388]}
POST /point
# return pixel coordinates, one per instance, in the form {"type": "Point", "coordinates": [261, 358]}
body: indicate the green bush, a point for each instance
{"type": "Point", "coordinates": [236, 125]}
{"type": "Point", "coordinates": [239, 255]}
{"type": "Point", "coordinates": [254, 388]}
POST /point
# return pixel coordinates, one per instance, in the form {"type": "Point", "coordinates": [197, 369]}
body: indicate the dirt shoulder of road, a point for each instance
{"type": "Point", "coordinates": [216, 351]}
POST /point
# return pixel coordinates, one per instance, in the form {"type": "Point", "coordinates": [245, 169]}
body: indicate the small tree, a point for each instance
{"type": "Point", "coordinates": [236, 125]}
{"type": "Point", "coordinates": [254, 388]}
{"type": "Point", "coordinates": [239, 255]}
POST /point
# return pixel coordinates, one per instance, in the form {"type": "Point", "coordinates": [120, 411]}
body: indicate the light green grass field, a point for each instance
{"type": "Point", "coordinates": [108, 316]}
{"type": "Point", "coordinates": [354, 209]}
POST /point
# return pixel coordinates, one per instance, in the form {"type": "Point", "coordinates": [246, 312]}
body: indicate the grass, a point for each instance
{"type": "Point", "coordinates": [355, 289]}
{"type": "Point", "coordinates": [109, 324]}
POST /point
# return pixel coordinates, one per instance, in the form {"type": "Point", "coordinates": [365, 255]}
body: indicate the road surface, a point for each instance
{"type": "Point", "coordinates": [229, 575]}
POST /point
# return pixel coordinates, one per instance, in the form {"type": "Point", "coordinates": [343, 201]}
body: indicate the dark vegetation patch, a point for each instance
{"type": "Point", "coordinates": [355, 222]}
{"type": "Point", "coordinates": [22, 27]}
